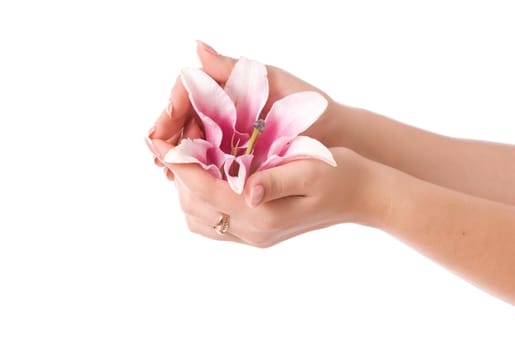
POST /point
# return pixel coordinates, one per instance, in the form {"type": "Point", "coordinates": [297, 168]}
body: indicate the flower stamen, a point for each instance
{"type": "Point", "coordinates": [234, 147]}
{"type": "Point", "coordinates": [259, 126]}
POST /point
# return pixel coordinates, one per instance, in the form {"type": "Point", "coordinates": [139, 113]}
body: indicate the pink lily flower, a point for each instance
{"type": "Point", "coordinates": [229, 116]}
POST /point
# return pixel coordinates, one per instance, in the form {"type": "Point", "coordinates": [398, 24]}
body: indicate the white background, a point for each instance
{"type": "Point", "coordinates": [94, 253]}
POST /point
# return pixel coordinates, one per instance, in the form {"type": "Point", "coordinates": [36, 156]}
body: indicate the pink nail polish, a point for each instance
{"type": "Point", "coordinates": [151, 147]}
{"type": "Point", "coordinates": [207, 47]}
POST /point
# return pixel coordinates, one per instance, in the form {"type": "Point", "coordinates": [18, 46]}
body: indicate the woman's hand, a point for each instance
{"type": "Point", "coordinates": [282, 202]}
{"type": "Point", "coordinates": [178, 120]}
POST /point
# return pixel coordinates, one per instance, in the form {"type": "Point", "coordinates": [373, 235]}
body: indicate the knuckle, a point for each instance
{"type": "Point", "coordinates": [275, 186]}
{"type": "Point", "coordinates": [202, 194]}
{"type": "Point", "coordinates": [268, 222]}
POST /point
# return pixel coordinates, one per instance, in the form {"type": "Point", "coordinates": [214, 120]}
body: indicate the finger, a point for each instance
{"type": "Point", "coordinates": [290, 179]}
{"type": "Point", "coordinates": [194, 206]}
{"type": "Point", "coordinates": [256, 226]}
{"type": "Point", "coordinates": [152, 148]}
{"type": "Point", "coordinates": [282, 219]}
{"type": "Point", "coordinates": [174, 116]}
{"type": "Point", "coordinates": [207, 188]}
{"type": "Point", "coordinates": [168, 174]}
{"type": "Point", "coordinates": [155, 151]}
{"type": "Point", "coordinates": [237, 231]}
{"type": "Point", "coordinates": [217, 66]}
{"type": "Point", "coordinates": [197, 226]}
{"type": "Point", "coordinates": [158, 147]}
{"type": "Point", "coordinates": [263, 226]}
{"type": "Point", "coordinates": [192, 130]}
{"type": "Point", "coordinates": [217, 194]}
{"type": "Point", "coordinates": [206, 214]}
{"type": "Point", "coordinates": [158, 162]}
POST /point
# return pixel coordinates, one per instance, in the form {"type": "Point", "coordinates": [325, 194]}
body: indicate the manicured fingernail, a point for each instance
{"type": "Point", "coordinates": [168, 174]}
{"type": "Point", "coordinates": [256, 195]}
{"type": "Point", "coordinates": [151, 132]}
{"type": "Point", "coordinates": [207, 47]}
{"type": "Point", "coordinates": [169, 109]}
{"type": "Point", "coordinates": [151, 147]}
{"type": "Point", "coordinates": [158, 162]}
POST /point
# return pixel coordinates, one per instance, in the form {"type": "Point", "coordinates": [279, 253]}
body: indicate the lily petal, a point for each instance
{"type": "Point", "coordinates": [289, 117]}
{"type": "Point", "coordinates": [196, 151]}
{"type": "Point", "coordinates": [237, 182]}
{"type": "Point", "coordinates": [212, 104]}
{"type": "Point", "coordinates": [301, 147]}
{"type": "Point", "coordinates": [247, 87]}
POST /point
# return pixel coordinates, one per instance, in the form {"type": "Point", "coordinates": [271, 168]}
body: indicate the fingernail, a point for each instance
{"type": "Point", "coordinates": [169, 109]}
{"type": "Point", "coordinates": [151, 132]}
{"type": "Point", "coordinates": [168, 174]}
{"type": "Point", "coordinates": [151, 147]}
{"type": "Point", "coordinates": [158, 162]}
{"type": "Point", "coordinates": [256, 195]}
{"type": "Point", "coordinates": [207, 47]}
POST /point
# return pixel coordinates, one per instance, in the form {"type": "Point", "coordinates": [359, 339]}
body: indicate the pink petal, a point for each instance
{"type": "Point", "coordinates": [196, 151]}
{"type": "Point", "coordinates": [212, 104]}
{"type": "Point", "coordinates": [247, 86]}
{"type": "Point", "coordinates": [289, 117]}
{"type": "Point", "coordinates": [301, 147]}
{"type": "Point", "coordinates": [237, 183]}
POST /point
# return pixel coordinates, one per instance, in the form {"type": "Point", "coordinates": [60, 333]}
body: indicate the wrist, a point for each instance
{"type": "Point", "coordinates": [337, 116]}
{"type": "Point", "coordinates": [330, 127]}
{"type": "Point", "coordinates": [348, 126]}
{"type": "Point", "coordinates": [373, 199]}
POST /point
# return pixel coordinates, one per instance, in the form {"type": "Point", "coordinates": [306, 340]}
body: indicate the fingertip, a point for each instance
{"type": "Point", "coordinates": [168, 174]}
{"type": "Point", "coordinates": [254, 197]}
{"type": "Point", "coordinates": [179, 100]}
{"type": "Point", "coordinates": [158, 162]}
{"type": "Point", "coordinates": [159, 147]}
{"type": "Point", "coordinates": [152, 147]}
{"type": "Point", "coordinates": [202, 46]}
{"type": "Point", "coordinates": [173, 116]}
{"type": "Point", "coordinates": [217, 66]}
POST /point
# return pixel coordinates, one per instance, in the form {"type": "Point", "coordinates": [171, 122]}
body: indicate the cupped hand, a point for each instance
{"type": "Point", "coordinates": [178, 120]}
{"type": "Point", "coordinates": [278, 203]}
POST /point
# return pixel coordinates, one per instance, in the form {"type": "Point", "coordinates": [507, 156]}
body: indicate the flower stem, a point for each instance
{"type": "Point", "coordinates": [259, 126]}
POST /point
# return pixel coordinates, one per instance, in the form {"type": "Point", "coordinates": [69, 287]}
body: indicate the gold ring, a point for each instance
{"type": "Point", "coordinates": [222, 225]}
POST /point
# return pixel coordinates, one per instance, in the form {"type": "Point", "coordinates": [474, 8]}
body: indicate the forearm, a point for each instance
{"type": "Point", "coordinates": [482, 169]}
{"type": "Point", "coordinates": [473, 237]}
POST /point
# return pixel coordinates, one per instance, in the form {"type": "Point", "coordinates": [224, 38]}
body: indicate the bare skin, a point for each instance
{"type": "Point", "coordinates": [453, 200]}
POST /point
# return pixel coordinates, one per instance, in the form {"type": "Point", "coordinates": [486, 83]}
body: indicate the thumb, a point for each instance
{"type": "Point", "coordinates": [290, 179]}
{"type": "Point", "coordinates": [217, 66]}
